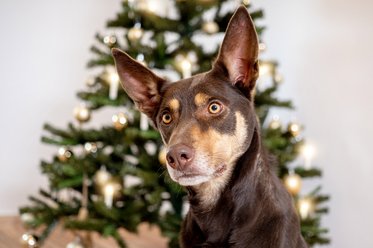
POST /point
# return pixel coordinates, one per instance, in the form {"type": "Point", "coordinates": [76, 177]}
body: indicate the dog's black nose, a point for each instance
{"type": "Point", "coordinates": [180, 156]}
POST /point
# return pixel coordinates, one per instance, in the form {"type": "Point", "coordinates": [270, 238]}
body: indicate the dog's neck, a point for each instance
{"type": "Point", "coordinates": [207, 195]}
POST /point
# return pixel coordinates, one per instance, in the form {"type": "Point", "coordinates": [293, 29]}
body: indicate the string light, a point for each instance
{"type": "Point", "coordinates": [186, 67]}
{"type": "Point", "coordinates": [308, 152]}
{"type": "Point", "coordinates": [305, 207]}
{"type": "Point", "coordinates": [293, 183]}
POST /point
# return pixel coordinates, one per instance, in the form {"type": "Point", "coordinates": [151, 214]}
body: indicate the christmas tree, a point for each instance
{"type": "Point", "coordinates": [113, 177]}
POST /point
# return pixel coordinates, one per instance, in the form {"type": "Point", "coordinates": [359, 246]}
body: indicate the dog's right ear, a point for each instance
{"type": "Point", "coordinates": [141, 84]}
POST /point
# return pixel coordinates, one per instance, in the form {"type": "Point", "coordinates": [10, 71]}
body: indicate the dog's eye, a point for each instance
{"type": "Point", "coordinates": [166, 118]}
{"type": "Point", "coordinates": [215, 108]}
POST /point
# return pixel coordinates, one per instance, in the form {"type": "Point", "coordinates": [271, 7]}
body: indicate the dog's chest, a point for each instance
{"type": "Point", "coordinates": [215, 224]}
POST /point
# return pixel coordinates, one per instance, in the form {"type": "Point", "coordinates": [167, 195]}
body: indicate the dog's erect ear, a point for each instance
{"type": "Point", "coordinates": [238, 56]}
{"type": "Point", "coordinates": [141, 85]}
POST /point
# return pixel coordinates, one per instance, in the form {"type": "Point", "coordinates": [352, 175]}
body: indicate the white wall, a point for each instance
{"type": "Point", "coordinates": [324, 49]}
{"type": "Point", "coordinates": [44, 48]}
{"type": "Point", "coordinates": [325, 52]}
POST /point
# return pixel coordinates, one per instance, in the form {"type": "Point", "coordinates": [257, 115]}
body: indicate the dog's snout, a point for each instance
{"type": "Point", "coordinates": [180, 156]}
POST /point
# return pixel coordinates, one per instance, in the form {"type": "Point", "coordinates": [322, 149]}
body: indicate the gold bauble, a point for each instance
{"type": "Point", "coordinates": [246, 2]}
{"type": "Point", "coordinates": [293, 183]}
{"type": "Point", "coordinates": [275, 123]}
{"type": "Point", "coordinates": [210, 27]}
{"type": "Point", "coordinates": [135, 33]}
{"type": "Point", "coordinates": [28, 240]}
{"type": "Point", "coordinates": [27, 218]}
{"type": "Point", "coordinates": [82, 113]}
{"type": "Point", "coordinates": [77, 243]}
{"type": "Point", "coordinates": [64, 154]}
{"type": "Point", "coordinates": [90, 147]}
{"type": "Point", "coordinates": [90, 82]}
{"type": "Point", "coordinates": [294, 129]}
{"type": "Point", "coordinates": [110, 40]}
{"type": "Point", "coordinates": [102, 176]}
{"type": "Point", "coordinates": [278, 78]}
{"type": "Point", "coordinates": [120, 121]}
{"type": "Point", "coordinates": [162, 156]}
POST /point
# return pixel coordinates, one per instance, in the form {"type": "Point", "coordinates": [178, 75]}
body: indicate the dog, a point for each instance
{"type": "Point", "coordinates": [209, 126]}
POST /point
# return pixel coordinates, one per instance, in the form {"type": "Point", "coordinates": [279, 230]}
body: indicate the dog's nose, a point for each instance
{"type": "Point", "coordinates": [180, 156]}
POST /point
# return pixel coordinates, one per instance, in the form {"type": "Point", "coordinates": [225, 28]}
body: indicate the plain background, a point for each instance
{"type": "Point", "coordinates": [324, 48]}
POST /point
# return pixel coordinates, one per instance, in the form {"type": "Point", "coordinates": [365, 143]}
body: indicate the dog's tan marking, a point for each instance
{"type": "Point", "coordinates": [221, 149]}
{"type": "Point", "coordinates": [174, 104]}
{"type": "Point", "coordinates": [201, 99]}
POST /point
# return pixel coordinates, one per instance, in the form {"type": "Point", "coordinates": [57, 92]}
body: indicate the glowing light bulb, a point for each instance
{"type": "Point", "coordinates": [308, 152]}
{"type": "Point", "coordinates": [186, 68]}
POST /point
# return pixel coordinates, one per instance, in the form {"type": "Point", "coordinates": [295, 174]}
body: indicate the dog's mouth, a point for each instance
{"type": "Point", "coordinates": [191, 178]}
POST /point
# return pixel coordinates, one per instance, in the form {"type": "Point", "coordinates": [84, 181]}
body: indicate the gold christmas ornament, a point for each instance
{"type": "Point", "coordinates": [64, 154]}
{"type": "Point", "coordinates": [246, 2]}
{"type": "Point", "coordinates": [210, 27]}
{"type": "Point", "coordinates": [162, 156]}
{"type": "Point", "coordinates": [294, 129]}
{"type": "Point", "coordinates": [77, 243]}
{"type": "Point", "coordinates": [120, 121]}
{"type": "Point", "coordinates": [306, 207]}
{"type": "Point", "coordinates": [27, 218]}
{"type": "Point", "coordinates": [28, 240]}
{"type": "Point", "coordinates": [135, 33]}
{"type": "Point", "coordinates": [275, 122]}
{"type": "Point", "coordinates": [90, 82]}
{"type": "Point", "coordinates": [110, 40]}
{"type": "Point", "coordinates": [278, 78]}
{"type": "Point", "coordinates": [293, 183]}
{"type": "Point", "coordinates": [102, 176]}
{"type": "Point", "coordinates": [90, 147]}
{"type": "Point", "coordinates": [82, 113]}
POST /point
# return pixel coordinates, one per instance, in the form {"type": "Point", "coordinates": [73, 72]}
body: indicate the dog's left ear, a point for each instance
{"type": "Point", "coordinates": [238, 56]}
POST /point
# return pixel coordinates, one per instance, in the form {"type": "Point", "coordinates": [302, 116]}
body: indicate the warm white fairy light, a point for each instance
{"type": "Point", "coordinates": [152, 5]}
{"type": "Point", "coordinates": [308, 152]}
{"type": "Point", "coordinates": [262, 47]}
{"type": "Point", "coordinates": [186, 67]}
{"type": "Point", "coordinates": [114, 85]}
{"type": "Point", "coordinates": [293, 183]}
{"type": "Point", "coordinates": [305, 207]}
{"type": "Point", "coordinates": [266, 68]}
{"type": "Point", "coordinates": [109, 190]}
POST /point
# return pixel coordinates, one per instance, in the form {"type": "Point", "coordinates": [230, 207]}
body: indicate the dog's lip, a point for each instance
{"type": "Point", "coordinates": [218, 172]}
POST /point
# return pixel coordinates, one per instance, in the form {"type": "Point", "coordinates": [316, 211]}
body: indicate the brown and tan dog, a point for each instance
{"type": "Point", "coordinates": [209, 127]}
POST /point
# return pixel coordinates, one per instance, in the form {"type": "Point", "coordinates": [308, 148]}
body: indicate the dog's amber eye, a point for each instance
{"type": "Point", "coordinates": [215, 108]}
{"type": "Point", "coordinates": [166, 118]}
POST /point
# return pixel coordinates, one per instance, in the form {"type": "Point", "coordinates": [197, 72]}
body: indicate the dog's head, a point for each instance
{"type": "Point", "coordinates": [206, 121]}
